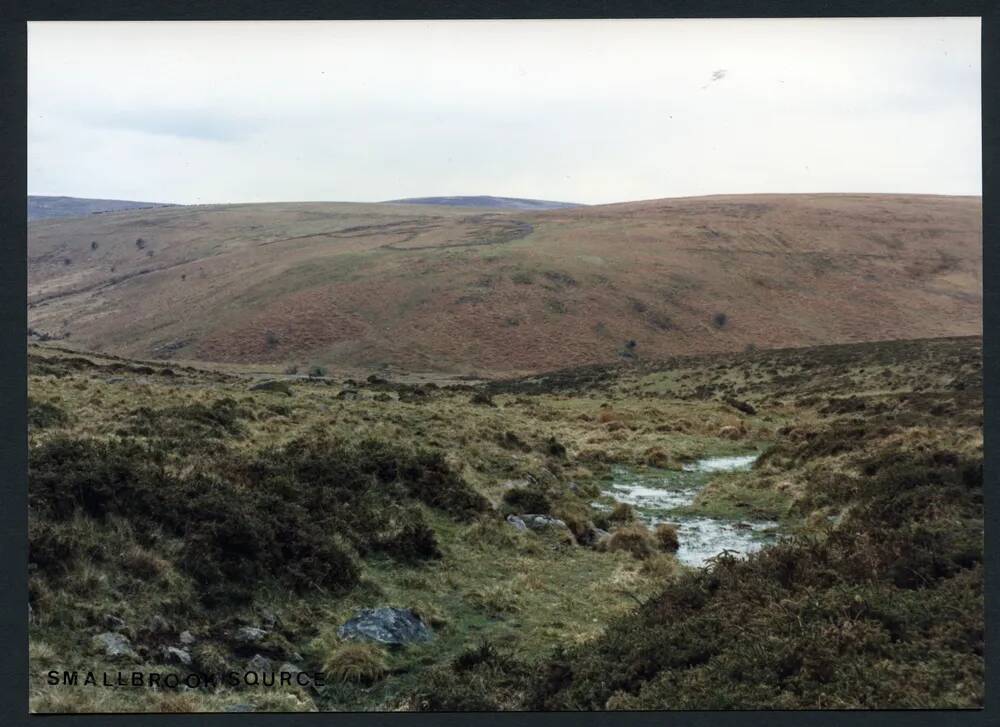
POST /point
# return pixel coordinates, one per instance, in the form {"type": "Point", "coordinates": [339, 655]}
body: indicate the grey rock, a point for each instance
{"type": "Point", "coordinates": [517, 522]}
{"type": "Point", "coordinates": [349, 395]}
{"type": "Point", "coordinates": [159, 625]}
{"type": "Point", "coordinates": [289, 668]}
{"type": "Point", "coordinates": [392, 626]}
{"type": "Point", "coordinates": [269, 618]}
{"type": "Point", "coordinates": [539, 522]}
{"type": "Point", "coordinates": [173, 654]}
{"type": "Point", "coordinates": [114, 645]}
{"type": "Point", "coordinates": [187, 638]}
{"type": "Point", "coordinates": [113, 622]}
{"type": "Point", "coordinates": [592, 536]}
{"type": "Point", "coordinates": [260, 663]}
{"type": "Point", "coordinates": [114, 379]}
{"type": "Point", "coordinates": [249, 634]}
{"type": "Point", "coordinates": [281, 387]}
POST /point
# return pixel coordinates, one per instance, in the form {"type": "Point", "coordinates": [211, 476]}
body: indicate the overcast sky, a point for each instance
{"type": "Point", "coordinates": [581, 111]}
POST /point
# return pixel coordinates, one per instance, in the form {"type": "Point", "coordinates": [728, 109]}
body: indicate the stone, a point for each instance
{"type": "Point", "coordinates": [187, 638]}
{"type": "Point", "coordinates": [114, 645]}
{"type": "Point", "coordinates": [269, 618]}
{"type": "Point", "coordinates": [391, 626]}
{"type": "Point", "coordinates": [249, 634]}
{"type": "Point", "coordinates": [539, 522]}
{"type": "Point", "coordinates": [260, 663]}
{"type": "Point", "coordinates": [276, 385]}
{"type": "Point", "coordinates": [113, 622]}
{"type": "Point", "coordinates": [159, 625]}
{"type": "Point", "coordinates": [517, 522]}
{"type": "Point", "coordinates": [171, 654]}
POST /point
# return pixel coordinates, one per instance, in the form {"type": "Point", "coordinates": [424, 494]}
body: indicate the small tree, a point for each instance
{"type": "Point", "coordinates": [140, 243]}
{"type": "Point", "coordinates": [93, 245]}
{"type": "Point", "coordinates": [720, 320]}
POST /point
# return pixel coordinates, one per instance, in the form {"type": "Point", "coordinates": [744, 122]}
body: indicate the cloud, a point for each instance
{"type": "Point", "coordinates": [589, 111]}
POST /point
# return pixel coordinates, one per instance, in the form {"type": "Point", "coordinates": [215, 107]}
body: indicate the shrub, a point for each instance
{"type": "Point", "coordinates": [528, 500]}
{"type": "Point", "coordinates": [42, 415]}
{"type": "Point", "coordinates": [622, 512]}
{"type": "Point", "coordinates": [666, 537]}
{"type": "Point", "coordinates": [317, 372]}
{"type": "Point", "coordinates": [355, 663]}
{"type": "Point", "coordinates": [720, 320]}
{"type": "Point", "coordinates": [634, 538]}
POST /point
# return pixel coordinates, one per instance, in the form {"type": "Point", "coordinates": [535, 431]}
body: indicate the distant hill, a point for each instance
{"type": "Point", "coordinates": [510, 203]}
{"type": "Point", "coordinates": [459, 289]}
{"type": "Point", "coordinates": [45, 208]}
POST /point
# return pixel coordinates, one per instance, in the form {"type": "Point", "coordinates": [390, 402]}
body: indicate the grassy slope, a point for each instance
{"type": "Point", "coordinates": [525, 594]}
{"type": "Point", "coordinates": [445, 289]}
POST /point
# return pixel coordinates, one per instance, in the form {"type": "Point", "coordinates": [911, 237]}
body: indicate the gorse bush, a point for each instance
{"type": "Point", "coordinates": [297, 515]}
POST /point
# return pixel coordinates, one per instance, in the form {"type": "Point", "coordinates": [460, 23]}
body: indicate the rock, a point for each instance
{"type": "Point", "coordinates": [239, 707]}
{"type": "Point", "coordinates": [187, 638]}
{"type": "Point", "coordinates": [592, 536]}
{"type": "Point", "coordinates": [513, 484]}
{"type": "Point", "coordinates": [269, 618]}
{"type": "Point", "coordinates": [482, 398]}
{"type": "Point", "coordinates": [281, 387]}
{"type": "Point", "coordinates": [114, 379]}
{"type": "Point", "coordinates": [171, 654]}
{"type": "Point", "coordinates": [730, 433]}
{"type": "Point", "coordinates": [392, 626]}
{"type": "Point", "coordinates": [260, 663]}
{"type": "Point", "coordinates": [740, 405]}
{"type": "Point", "coordinates": [114, 645]}
{"type": "Point", "coordinates": [113, 622]}
{"type": "Point", "coordinates": [159, 625]}
{"type": "Point", "coordinates": [538, 522]}
{"type": "Point", "coordinates": [289, 668]}
{"type": "Point", "coordinates": [349, 395]}
{"type": "Point", "coordinates": [249, 634]}
{"type": "Point", "coordinates": [517, 522]}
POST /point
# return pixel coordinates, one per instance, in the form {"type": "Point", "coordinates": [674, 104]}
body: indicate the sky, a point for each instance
{"type": "Point", "coordinates": [590, 111]}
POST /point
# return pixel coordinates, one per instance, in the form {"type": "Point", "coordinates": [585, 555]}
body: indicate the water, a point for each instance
{"type": "Point", "coordinates": [657, 494]}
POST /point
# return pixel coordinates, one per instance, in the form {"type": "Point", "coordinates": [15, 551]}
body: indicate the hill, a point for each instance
{"type": "Point", "coordinates": [44, 208]}
{"type": "Point", "coordinates": [450, 289]}
{"type": "Point", "coordinates": [513, 203]}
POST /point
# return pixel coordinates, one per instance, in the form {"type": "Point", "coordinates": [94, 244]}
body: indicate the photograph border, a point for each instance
{"type": "Point", "coordinates": [13, 325]}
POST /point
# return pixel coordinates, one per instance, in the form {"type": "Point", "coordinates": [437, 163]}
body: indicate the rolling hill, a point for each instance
{"type": "Point", "coordinates": [452, 289]}
{"type": "Point", "coordinates": [44, 208]}
{"type": "Point", "coordinates": [513, 203]}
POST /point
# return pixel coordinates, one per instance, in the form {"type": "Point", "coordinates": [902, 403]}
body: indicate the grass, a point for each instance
{"type": "Point", "coordinates": [163, 493]}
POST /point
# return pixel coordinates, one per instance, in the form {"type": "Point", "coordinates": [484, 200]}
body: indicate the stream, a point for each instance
{"type": "Point", "coordinates": [661, 495]}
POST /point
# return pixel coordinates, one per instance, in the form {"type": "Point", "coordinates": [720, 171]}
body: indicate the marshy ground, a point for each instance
{"type": "Point", "coordinates": [168, 499]}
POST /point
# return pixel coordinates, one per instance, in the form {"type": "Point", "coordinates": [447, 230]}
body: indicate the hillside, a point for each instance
{"type": "Point", "coordinates": [449, 289]}
{"type": "Point", "coordinates": [177, 506]}
{"type": "Point", "coordinates": [43, 208]}
{"type": "Point", "coordinates": [513, 203]}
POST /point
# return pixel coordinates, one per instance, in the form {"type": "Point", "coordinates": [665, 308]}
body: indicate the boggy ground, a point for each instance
{"type": "Point", "coordinates": [168, 498]}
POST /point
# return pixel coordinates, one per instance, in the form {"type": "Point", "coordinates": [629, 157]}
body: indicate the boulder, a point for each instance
{"type": "Point", "coordinates": [276, 385]}
{"type": "Point", "coordinates": [260, 663]}
{"type": "Point", "coordinates": [113, 622]}
{"type": "Point", "coordinates": [517, 522]}
{"type": "Point", "coordinates": [159, 625]}
{"type": "Point", "coordinates": [114, 645]}
{"type": "Point", "coordinates": [249, 634]}
{"type": "Point", "coordinates": [391, 626]}
{"type": "Point", "coordinates": [171, 654]}
{"type": "Point", "coordinates": [539, 522]}
{"type": "Point", "coordinates": [187, 638]}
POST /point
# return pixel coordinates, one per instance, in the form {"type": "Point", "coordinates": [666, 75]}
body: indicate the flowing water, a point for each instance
{"type": "Point", "coordinates": [657, 495]}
